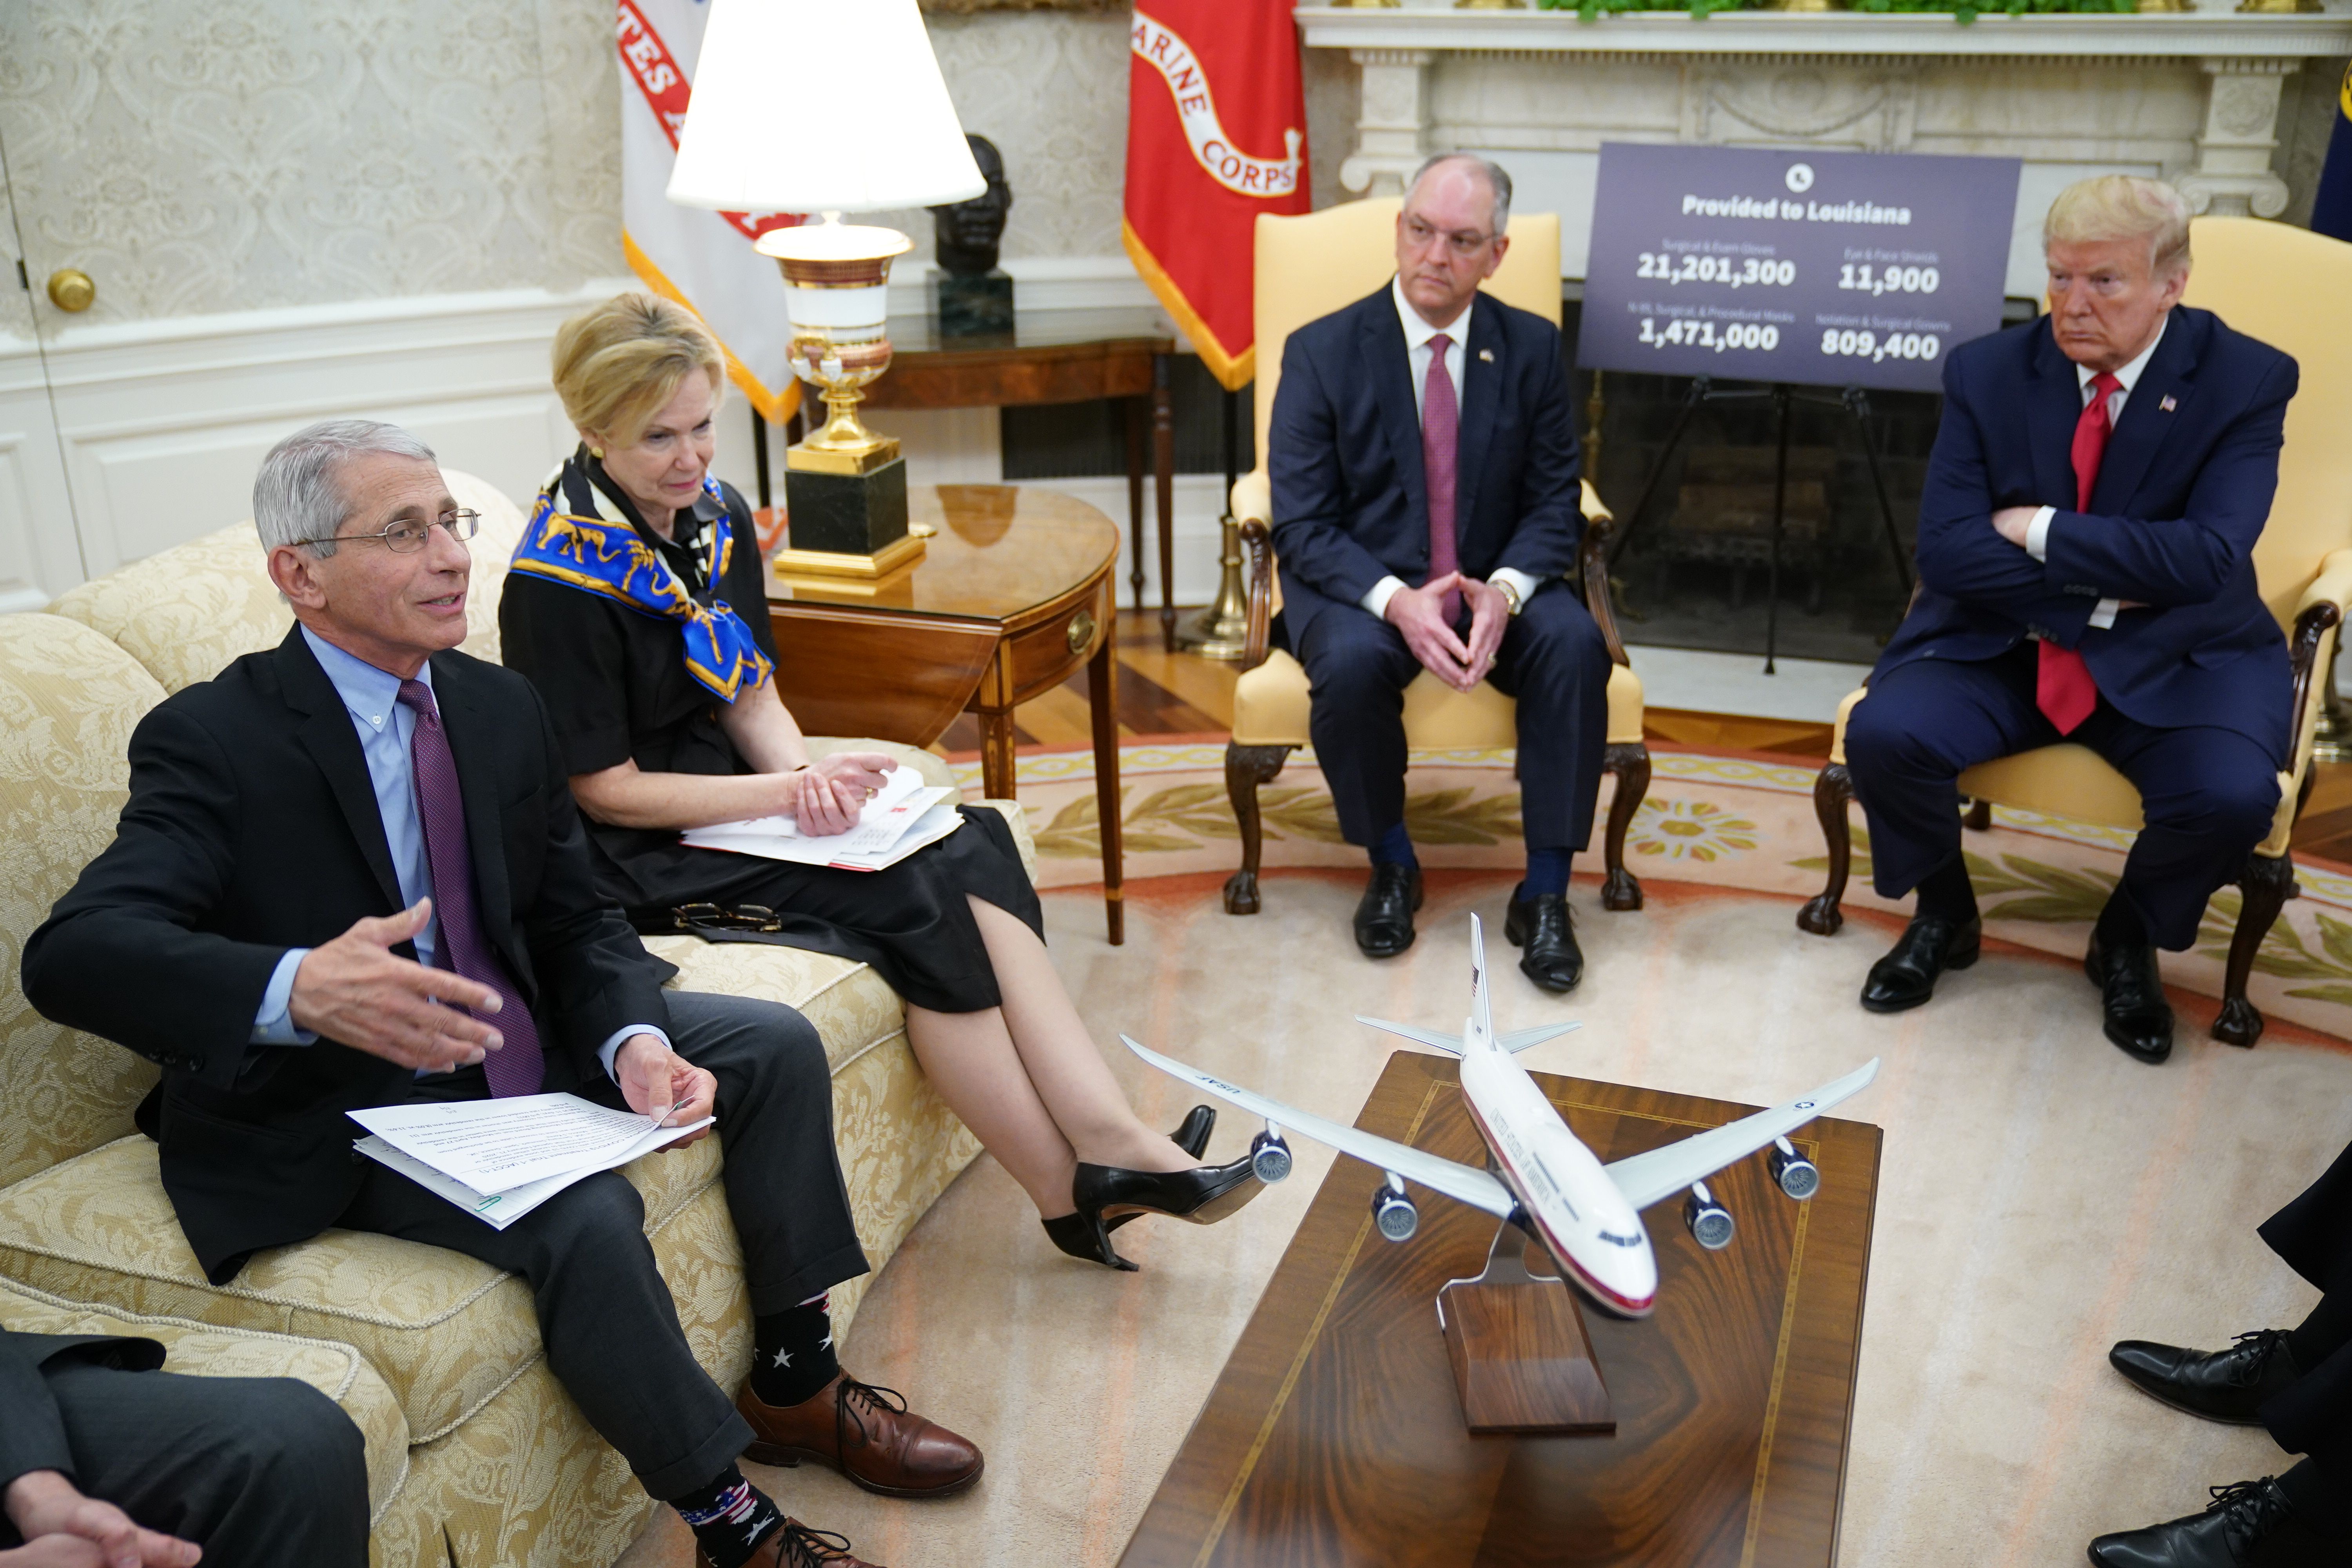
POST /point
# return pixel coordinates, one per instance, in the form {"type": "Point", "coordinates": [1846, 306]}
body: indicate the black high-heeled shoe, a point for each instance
{"type": "Point", "coordinates": [1074, 1233]}
{"type": "Point", "coordinates": [1105, 1195]}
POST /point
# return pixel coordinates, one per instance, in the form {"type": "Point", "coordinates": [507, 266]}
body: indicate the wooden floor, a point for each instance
{"type": "Point", "coordinates": [1163, 694]}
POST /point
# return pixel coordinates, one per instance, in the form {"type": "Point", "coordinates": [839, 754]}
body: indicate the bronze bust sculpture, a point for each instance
{"type": "Point", "coordinates": [974, 295]}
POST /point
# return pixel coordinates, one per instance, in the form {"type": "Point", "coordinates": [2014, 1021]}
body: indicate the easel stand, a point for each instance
{"type": "Point", "coordinates": [1784, 399]}
{"type": "Point", "coordinates": [1521, 1357]}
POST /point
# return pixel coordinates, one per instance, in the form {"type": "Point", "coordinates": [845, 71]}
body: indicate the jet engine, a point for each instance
{"type": "Point", "coordinates": [1393, 1210]}
{"type": "Point", "coordinates": [1269, 1155]}
{"type": "Point", "coordinates": [1710, 1222]}
{"type": "Point", "coordinates": [1799, 1177]}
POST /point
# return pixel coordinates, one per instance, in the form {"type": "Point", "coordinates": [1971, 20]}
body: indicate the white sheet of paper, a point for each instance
{"type": "Point", "coordinates": [897, 785]}
{"type": "Point", "coordinates": [499, 1210]}
{"type": "Point", "coordinates": [939, 819]}
{"type": "Point", "coordinates": [497, 1145]}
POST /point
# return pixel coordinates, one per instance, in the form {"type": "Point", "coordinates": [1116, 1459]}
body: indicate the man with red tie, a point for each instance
{"type": "Point", "coordinates": [350, 874]}
{"type": "Point", "coordinates": [2087, 573]}
{"type": "Point", "coordinates": [1425, 481]}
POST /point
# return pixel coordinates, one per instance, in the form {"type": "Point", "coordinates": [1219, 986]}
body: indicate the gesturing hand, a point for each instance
{"type": "Point", "coordinates": [1490, 612]}
{"type": "Point", "coordinates": [658, 1082]}
{"type": "Point", "coordinates": [1418, 614]}
{"type": "Point", "coordinates": [63, 1529]}
{"type": "Point", "coordinates": [828, 795]}
{"type": "Point", "coordinates": [355, 990]}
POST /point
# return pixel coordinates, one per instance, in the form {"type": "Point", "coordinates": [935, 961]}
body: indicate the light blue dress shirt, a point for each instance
{"type": "Point", "coordinates": [384, 725]}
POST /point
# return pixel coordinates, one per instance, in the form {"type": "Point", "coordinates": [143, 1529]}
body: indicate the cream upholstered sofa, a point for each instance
{"type": "Point", "coordinates": [475, 1456]}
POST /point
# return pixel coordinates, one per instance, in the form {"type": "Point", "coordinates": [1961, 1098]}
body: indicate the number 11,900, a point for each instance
{"type": "Point", "coordinates": [1686, 333]}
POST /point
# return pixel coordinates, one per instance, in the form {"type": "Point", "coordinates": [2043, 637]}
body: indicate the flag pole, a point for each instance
{"type": "Point", "coordinates": [1222, 631]}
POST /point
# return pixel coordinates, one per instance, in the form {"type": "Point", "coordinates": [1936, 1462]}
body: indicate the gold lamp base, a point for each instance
{"type": "Point", "coordinates": [1222, 631]}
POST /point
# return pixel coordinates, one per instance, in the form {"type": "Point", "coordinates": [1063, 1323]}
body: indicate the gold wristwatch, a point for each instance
{"type": "Point", "coordinates": [1510, 596]}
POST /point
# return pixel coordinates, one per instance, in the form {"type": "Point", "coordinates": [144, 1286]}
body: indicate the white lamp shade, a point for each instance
{"type": "Point", "coordinates": [806, 105]}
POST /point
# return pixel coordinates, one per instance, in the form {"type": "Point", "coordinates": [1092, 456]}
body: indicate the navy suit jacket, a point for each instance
{"type": "Point", "coordinates": [2182, 494]}
{"type": "Point", "coordinates": [1351, 501]}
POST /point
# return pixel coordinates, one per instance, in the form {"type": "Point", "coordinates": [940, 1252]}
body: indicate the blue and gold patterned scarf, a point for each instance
{"type": "Point", "coordinates": [593, 548]}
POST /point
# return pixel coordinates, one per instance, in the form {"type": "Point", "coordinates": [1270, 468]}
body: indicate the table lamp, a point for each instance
{"type": "Point", "coordinates": [892, 142]}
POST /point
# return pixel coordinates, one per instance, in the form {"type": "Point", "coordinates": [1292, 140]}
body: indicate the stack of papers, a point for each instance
{"type": "Point", "coordinates": [500, 1158]}
{"type": "Point", "coordinates": [905, 815]}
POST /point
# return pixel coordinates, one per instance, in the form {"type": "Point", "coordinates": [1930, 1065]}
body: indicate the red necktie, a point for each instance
{"type": "Point", "coordinates": [2062, 688]}
{"type": "Point", "coordinates": [519, 1067]}
{"type": "Point", "coordinates": [1441, 435]}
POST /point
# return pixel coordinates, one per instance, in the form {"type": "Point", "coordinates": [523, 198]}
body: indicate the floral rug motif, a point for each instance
{"type": "Point", "coordinates": [1720, 819]}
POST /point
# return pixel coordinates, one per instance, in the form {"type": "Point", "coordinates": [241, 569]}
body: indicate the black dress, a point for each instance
{"type": "Point", "coordinates": [617, 689]}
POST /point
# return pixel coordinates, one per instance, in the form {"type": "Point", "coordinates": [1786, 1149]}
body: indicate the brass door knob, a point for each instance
{"type": "Point", "coordinates": [1082, 631]}
{"type": "Point", "coordinates": [70, 288]}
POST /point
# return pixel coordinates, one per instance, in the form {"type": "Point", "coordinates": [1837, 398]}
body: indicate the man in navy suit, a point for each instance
{"type": "Point", "coordinates": [1426, 489]}
{"type": "Point", "coordinates": [2086, 572]}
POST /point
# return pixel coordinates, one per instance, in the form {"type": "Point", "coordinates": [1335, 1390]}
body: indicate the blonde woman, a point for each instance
{"type": "Point", "coordinates": [636, 605]}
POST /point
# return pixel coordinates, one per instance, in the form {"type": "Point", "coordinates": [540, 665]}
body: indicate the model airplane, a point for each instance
{"type": "Point", "coordinates": [1542, 1178]}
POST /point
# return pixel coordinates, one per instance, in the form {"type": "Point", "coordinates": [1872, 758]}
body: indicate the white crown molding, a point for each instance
{"type": "Point", "coordinates": [2184, 35]}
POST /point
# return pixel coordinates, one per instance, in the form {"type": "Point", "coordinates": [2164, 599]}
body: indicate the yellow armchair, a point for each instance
{"type": "Point", "coordinates": [2291, 288]}
{"type": "Point", "coordinates": [1307, 268]}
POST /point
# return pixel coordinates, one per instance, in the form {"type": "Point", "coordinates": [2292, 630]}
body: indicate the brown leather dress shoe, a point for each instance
{"type": "Point", "coordinates": [798, 1546]}
{"type": "Point", "coordinates": [865, 1433]}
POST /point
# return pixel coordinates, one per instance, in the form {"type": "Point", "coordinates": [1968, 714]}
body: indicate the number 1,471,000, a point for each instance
{"type": "Point", "coordinates": [1686, 333]}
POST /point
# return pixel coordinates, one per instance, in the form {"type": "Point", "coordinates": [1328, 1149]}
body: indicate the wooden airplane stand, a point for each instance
{"type": "Point", "coordinates": [1522, 1360]}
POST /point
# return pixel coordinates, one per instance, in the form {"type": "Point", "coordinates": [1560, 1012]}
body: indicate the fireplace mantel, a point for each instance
{"type": "Point", "coordinates": [2192, 97]}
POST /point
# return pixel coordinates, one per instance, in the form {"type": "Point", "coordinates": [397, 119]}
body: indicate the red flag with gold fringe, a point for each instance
{"type": "Point", "coordinates": [1216, 134]}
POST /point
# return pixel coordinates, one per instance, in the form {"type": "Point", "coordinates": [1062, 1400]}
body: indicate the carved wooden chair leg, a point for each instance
{"type": "Point", "coordinates": [1247, 767]}
{"type": "Point", "coordinates": [2268, 883]}
{"type": "Point", "coordinates": [1980, 816]}
{"type": "Point", "coordinates": [1628, 762]}
{"type": "Point", "coordinates": [1832, 794]}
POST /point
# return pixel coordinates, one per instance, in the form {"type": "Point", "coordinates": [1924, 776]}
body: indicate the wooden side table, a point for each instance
{"type": "Point", "coordinates": [1335, 1438]}
{"type": "Point", "coordinates": [1014, 593]}
{"type": "Point", "coordinates": [1058, 356]}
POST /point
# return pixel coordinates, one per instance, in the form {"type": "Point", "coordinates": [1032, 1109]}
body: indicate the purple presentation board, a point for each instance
{"type": "Point", "coordinates": [1817, 268]}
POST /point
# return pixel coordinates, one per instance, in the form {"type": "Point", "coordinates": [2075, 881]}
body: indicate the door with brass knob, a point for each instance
{"type": "Point", "coordinates": [72, 289]}
{"type": "Point", "coordinates": [40, 547]}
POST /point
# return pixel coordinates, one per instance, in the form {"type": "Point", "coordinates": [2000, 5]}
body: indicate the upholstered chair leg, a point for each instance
{"type": "Point", "coordinates": [2268, 884]}
{"type": "Point", "coordinates": [1247, 767]}
{"type": "Point", "coordinates": [1832, 791]}
{"type": "Point", "coordinates": [1627, 761]}
{"type": "Point", "coordinates": [1980, 816]}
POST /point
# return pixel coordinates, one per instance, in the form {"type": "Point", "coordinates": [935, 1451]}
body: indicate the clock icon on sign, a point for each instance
{"type": "Point", "coordinates": [1800, 177]}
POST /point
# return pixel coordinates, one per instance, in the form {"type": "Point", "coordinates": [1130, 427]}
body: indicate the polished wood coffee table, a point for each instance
{"type": "Point", "coordinates": [1334, 1434]}
{"type": "Point", "coordinates": [1014, 593]}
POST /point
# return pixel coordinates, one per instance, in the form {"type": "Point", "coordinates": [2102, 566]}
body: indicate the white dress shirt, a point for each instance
{"type": "Point", "coordinates": [1418, 353]}
{"type": "Point", "coordinates": [385, 724]}
{"type": "Point", "coordinates": [2037, 532]}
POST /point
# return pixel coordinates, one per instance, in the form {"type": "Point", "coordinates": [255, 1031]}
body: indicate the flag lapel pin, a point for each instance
{"type": "Point", "coordinates": [2169, 402]}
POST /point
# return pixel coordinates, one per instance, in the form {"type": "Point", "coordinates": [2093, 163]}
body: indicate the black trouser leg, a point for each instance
{"type": "Point", "coordinates": [610, 1329]}
{"type": "Point", "coordinates": [1357, 669]}
{"type": "Point", "coordinates": [260, 1472]}
{"type": "Point", "coordinates": [1554, 664]}
{"type": "Point", "coordinates": [783, 1178]}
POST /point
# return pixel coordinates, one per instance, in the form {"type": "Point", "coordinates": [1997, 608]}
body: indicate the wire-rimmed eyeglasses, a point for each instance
{"type": "Point", "coordinates": [407, 535]}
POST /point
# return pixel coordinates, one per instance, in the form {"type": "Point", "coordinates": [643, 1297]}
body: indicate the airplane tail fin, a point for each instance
{"type": "Point", "coordinates": [1521, 1039]}
{"type": "Point", "coordinates": [1451, 1043]}
{"type": "Point", "coordinates": [1482, 1018]}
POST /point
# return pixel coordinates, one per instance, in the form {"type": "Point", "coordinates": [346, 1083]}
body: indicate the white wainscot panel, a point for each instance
{"type": "Point", "coordinates": [39, 557]}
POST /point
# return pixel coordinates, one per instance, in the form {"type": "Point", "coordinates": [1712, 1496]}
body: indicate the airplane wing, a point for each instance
{"type": "Point", "coordinates": [1645, 1179]}
{"type": "Point", "coordinates": [1516, 1040]}
{"type": "Point", "coordinates": [1460, 1183]}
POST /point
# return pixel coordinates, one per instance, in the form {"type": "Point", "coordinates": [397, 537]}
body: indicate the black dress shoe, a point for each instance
{"type": "Point", "coordinates": [2138, 1019]}
{"type": "Point", "coordinates": [1929, 945]}
{"type": "Point", "coordinates": [1384, 914]}
{"type": "Point", "coordinates": [1192, 1134]}
{"type": "Point", "coordinates": [2221, 1385]}
{"type": "Point", "coordinates": [1543, 926]}
{"type": "Point", "coordinates": [2249, 1525]}
{"type": "Point", "coordinates": [1107, 1193]}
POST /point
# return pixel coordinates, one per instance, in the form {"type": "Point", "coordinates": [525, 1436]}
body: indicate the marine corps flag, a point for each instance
{"type": "Point", "coordinates": [1216, 134]}
{"type": "Point", "coordinates": [2331, 210]}
{"type": "Point", "coordinates": [704, 260]}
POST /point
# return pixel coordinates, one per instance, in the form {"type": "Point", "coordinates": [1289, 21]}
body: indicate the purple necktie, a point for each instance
{"type": "Point", "coordinates": [519, 1067]}
{"type": "Point", "coordinates": [1440, 434]}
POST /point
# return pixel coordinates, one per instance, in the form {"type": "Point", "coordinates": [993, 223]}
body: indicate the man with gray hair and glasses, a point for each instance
{"type": "Point", "coordinates": [350, 874]}
{"type": "Point", "coordinates": [1426, 483]}
{"type": "Point", "coordinates": [2087, 573]}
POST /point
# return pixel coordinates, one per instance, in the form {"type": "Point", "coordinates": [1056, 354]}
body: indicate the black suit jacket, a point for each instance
{"type": "Point", "coordinates": [2182, 494]}
{"type": "Point", "coordinates": [1343, 452]}
{"type": "Point", "coordinates": [252, 828]}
